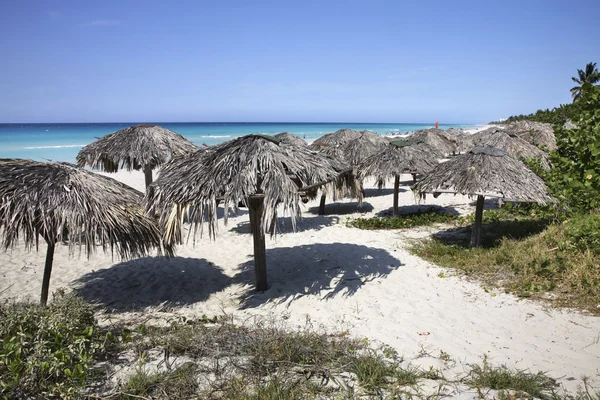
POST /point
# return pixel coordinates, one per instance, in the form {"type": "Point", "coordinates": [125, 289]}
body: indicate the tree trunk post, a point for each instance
{"type": "Point", "coordinates": [47, 273]}
{"type": "Point", "coordinates": [255, 208]}
{"type": "Point", "coordinates": [414, 178]}
{"type": "Point", "coordinates": [396, 189]}
{"type": "Point", "coordinates": [476, 230]}
{"type": "Point", "coordinates": [322, 204]}
{"type": "Point", "coordinates": [148, 176]}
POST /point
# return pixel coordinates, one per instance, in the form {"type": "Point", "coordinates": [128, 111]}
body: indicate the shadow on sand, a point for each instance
{"type": "Point", "coordinates": [419, 209]}
{"type": "Point", "coordinates": [492, 233]}
{"type": "Point", "coordinates": [284, 224]}
{"type": "Point", "coordinates": [343, 208]}
{"type": "Point", "coordinates": [328, 269]}
{"type": "Point", "coordinates": [382, 192]}
{"type": "Point", "coordinates": [152, 281]}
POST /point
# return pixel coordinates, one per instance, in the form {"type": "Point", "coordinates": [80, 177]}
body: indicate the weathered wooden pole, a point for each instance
{"type": "Point", "coordinates": [47, 273]}
{"type": "Point", "coordinates": [414, 178]}
{"type": "Point", "coordinates": [255, 209]}
{"type": "Point", "coordinates": [322, 204]}
{"type": "Point", "coordinates": [148, 176]}
{"type": "Point", "coordinates": [476, 230]}
{"type": "Point", "coordinates": [396, 190]}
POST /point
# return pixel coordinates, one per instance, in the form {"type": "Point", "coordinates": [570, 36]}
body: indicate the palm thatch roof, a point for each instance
{"type": "Point", "coordinates": [233, 172]}
{"type": "Point", "coordinates": [539, 134]}
{"type": "Point", "coordinates": [350, 146]}
{"type": "Point", "coordinates": [506, 141]}
{"type": "Point", "coordinates": [290, 138]}
{"type": "Point", "coordinates": [62, 202]}
{"type": "Point", "coordinates": [142, 146]}
{"type": "Point", "coordinates": [485, 171]}
{"type": "Point", "coordinates": [438, 139]}
{"type": "Point", "coordinates": [397, 158]}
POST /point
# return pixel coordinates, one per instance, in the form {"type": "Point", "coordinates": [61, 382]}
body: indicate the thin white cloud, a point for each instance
{"type": "Point", "coordinates": [103, 22]}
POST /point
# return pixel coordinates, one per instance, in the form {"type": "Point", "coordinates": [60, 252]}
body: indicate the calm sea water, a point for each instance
{"type": "Point", "coordinates": [62, 142]}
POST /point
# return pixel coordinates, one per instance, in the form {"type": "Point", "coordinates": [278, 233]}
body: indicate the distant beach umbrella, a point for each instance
{"type": "Point", "coordinates": [507, 141]}
{"type": "Point", "coordinates": [258, 170]}
{"type": "Point", "coordinates": [484, 172]}
{"type": "Point", "coordinates": [443, 142]}
{"type": "Point", "coordinates": [349, 147]}
{"type": "Point", "coordinates": [143, 146]}
{"type": "Point", "coordinates": [539, 134]}
{"type": "Point", "coordinates": [397, 158]}
{"type": "Point", "coordinates": [62, 202]}
{"type": "Point", "coordinates": [290, 138]}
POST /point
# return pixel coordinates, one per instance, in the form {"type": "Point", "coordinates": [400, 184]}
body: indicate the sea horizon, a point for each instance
{"type": "Point", "coordinates": [62, 141]}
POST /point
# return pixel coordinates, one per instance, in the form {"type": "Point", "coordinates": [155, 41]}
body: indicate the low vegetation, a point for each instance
{"type": "Point", "coordinates": [54, 352]}
{"type": "Point", "coordinates": [403, 221]}
{"type": "Point", "coordinates": [48, 352]}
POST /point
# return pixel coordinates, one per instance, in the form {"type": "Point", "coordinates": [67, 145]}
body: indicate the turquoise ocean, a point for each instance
{"type": "Point", "coordinates": [62, 142]}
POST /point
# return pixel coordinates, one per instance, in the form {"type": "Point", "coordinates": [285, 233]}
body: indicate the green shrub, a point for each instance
{"type": "Point", "coordinates": [583, 233]}
{"type": "Point", "coordinates": [48, 351]}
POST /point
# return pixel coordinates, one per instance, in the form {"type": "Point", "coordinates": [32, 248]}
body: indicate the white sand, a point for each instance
{"type": "Point", "coordinates": [335, 277]}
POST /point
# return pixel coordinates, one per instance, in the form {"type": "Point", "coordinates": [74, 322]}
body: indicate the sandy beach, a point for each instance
{"type": "Point", "coordinates": [333, 277]}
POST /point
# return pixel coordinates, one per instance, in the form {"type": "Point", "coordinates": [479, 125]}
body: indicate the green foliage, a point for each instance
{"type": "Point", "coordinates": [589, 76]}
{"type": "Point", "coordinates": [583, 234]}
{"type": "Point", "coordinates": [539, 385]}
{"type": "Point", "coordinates": [575, 177]}
{"type": "Point", "coordinates": [402, 221]}
{"type": "Point", "coordinates": [48, 351]}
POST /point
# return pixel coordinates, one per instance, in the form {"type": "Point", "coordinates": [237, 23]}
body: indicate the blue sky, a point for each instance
{"type": "Point", "coordinates": [351, 61]}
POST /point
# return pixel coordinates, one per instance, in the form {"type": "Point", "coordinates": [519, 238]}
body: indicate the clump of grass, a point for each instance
{"type": "Point", "coordinates": [535, 266]}
{"type": "Point", "coordinates": [501, 378]}
{"type": "Point", "coordinates": [372, 371]}
{"type": "Point", "coordinates": [403, 221]}
{"type": "Point", "coordinates": [177, 384]}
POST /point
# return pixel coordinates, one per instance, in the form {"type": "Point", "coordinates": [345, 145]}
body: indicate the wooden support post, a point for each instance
{"type": "Point", "coordinates": [322, 204]}
{"type": "Point", "coordinates": [476, 230]}
{"type": "Point", "coordinates": [396, 190]}
{"type": "Point", "coordinates": [255, 208]}
{"type": "Point", "coordinates": [414, 178]}
{"type": "Point", "coordinates": [47, 273]}
{"type": "Point", "coordinates": [148, 176]}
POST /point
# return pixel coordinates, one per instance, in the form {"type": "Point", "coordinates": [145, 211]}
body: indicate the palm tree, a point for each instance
{"type": "Point", "coordinates": [590, 75]}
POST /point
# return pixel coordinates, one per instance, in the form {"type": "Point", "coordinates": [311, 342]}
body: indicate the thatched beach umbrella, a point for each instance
{"type": "Point", "coordinates": [506, 141]}
{"type": "Point", "coordinates": [62, 202]}
{"type": "Point", "coordinates": [540, 134]}
{"type": "Point", "coordinates": [397, 158]}
{"type": "Point", "coordinates": [481, 172]}
{"type": "Point", "coordinates": [260, 171]}
{"type": "Point", "coordinates": [445, 143]}
{"type": "Point", "coordinates": [143, 146]}
{"type": "Point", "coordinates": [290, 138]}
{"type": "Point", "coordinates": [349, 147]}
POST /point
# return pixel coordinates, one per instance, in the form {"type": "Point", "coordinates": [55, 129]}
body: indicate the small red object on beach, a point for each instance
{"type": "Point", "coordinates": [437, 124]}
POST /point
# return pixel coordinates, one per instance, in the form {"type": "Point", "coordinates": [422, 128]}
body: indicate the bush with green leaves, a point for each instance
{"type": "Point", "coordinates": [48, 351]}
{"type": "Point", "coordinates": [575, 177]}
